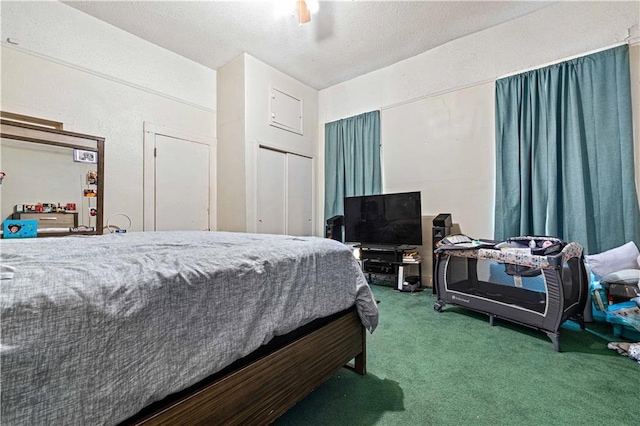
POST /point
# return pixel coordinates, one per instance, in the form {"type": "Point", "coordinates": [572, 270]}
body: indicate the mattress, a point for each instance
{"type": "Point", "coordinates": [96, 328]}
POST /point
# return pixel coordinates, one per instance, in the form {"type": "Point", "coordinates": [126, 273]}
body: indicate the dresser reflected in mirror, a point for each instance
{"type": "Point", "coordinates": [51, 182]}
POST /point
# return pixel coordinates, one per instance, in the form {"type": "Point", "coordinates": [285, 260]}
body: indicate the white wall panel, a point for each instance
{"type": "Point", "coordinates": [58, 32]}
{"type": "Point", "coordinates": [446, 151]}
{"type": "Point", "coordinates": [260, 79]}
{"type": "Point", "coordinates": [232, 181]}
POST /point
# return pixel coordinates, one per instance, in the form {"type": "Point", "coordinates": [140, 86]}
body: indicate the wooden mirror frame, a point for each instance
{"type": "Point", "coordinates": [49, 136]}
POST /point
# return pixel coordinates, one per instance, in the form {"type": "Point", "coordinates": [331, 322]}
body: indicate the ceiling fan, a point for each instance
{"type": "Point", "coordinates": [305, 9]}
{"type": "Point", "coordinates": [304, 15]}
{"type": "Point", "coordinates": [301, 9]}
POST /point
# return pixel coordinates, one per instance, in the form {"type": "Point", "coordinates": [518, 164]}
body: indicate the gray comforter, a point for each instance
{"type": "Point", "coordinates": [96, 328]}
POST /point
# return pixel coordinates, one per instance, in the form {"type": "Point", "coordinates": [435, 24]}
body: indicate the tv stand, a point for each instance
{"type": "Point", "coordinates": [389, 260]}
{"type": "Point", "coordinates": [386, 247]}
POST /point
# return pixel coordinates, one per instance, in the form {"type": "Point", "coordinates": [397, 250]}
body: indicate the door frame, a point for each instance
{"type": "Point", "coordinates": [149, 173]}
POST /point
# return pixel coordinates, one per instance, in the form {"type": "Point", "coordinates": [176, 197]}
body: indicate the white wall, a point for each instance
{"type": "Point", "coordinates": [101, 81]}
{"type": "Point", "coordinates": [438, 107]}
{"type": "Point", "coordinates": [60, 33]}
{"type": "Point", "coordinates": [260, 79]}
{"type": "Point", "coordinates": [244, 109]}
{"type": "Point", "coordinates": [444, 147]}
{"type": "Point", "coordinates": [232, 203]}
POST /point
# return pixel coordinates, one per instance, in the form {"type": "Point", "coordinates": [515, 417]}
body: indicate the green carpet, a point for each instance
{"type": "Point", "coordinates": [453, 368]}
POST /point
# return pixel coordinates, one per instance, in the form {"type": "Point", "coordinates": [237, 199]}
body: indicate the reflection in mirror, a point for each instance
{"type": "Point", "coordinates": [51, 181]}
{"type": "Point", "coordinates": [46, 175]}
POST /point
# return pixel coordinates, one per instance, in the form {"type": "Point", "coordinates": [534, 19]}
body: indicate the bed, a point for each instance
{"type": "Point", "coordinates": [175, 327]}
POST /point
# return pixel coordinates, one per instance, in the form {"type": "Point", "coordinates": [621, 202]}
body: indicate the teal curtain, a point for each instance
{"type": "Point", "coordinates": [352, 160]}
{"type": "Point", "coordinates": [564, 153]}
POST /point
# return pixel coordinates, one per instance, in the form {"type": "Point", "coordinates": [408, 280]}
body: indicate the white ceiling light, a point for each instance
{"type": "Point", "coordinates": [313, 6]}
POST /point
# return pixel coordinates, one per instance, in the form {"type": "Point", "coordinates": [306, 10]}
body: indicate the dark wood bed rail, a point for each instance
{"type": "Point", "coordinates": [261, 391]}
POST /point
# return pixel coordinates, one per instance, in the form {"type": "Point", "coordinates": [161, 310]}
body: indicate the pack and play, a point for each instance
{"type": "Point", "coordinates": [539, 282]}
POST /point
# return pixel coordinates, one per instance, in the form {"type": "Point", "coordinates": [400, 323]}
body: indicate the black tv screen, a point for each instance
{"type": "Point", "coordinates": [390, 219]}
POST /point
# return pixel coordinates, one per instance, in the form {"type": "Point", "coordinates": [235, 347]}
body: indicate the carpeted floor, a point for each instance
{"type": "Point", "coordinates": [452, 368]}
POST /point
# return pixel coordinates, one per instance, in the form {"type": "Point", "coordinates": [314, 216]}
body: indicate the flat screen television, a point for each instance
{"type": "Point", "coordinates": [389, 219]}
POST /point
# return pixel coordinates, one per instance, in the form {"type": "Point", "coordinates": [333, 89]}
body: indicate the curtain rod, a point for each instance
{"type": "Point", "coordinates": [591, 52]}
{"type": "Point", "coordinates": [493, 79]}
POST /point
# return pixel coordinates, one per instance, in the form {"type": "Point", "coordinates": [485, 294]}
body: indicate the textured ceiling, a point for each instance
{"type": "Point", "coordinates": [342, 41]}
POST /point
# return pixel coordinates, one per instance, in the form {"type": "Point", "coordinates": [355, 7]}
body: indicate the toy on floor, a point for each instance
{"type": "Point", "coordinates": [632, 350]}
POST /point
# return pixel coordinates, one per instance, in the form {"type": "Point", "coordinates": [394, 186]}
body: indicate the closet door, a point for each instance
{"type": "Point", "coordinates": [271, 194]}
{"type": "Point", "coordinates": [299, 195]}
{"type": "Point", "coordinates": [182, 185]}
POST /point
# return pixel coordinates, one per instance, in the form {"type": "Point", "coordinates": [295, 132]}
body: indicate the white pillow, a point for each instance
{"type": "Point", "coordinates": [626, 276]}
{"type": "Point", "coordinates": [616, 259]}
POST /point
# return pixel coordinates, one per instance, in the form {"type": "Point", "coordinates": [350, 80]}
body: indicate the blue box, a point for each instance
{"type": "Point", "coordinates": [20, 228]}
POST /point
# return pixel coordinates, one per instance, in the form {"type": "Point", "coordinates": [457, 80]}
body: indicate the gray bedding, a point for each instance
{"type": "Point", "coordinates": [96, 328]}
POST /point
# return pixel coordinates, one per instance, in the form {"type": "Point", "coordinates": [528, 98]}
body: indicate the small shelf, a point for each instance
{"type": "Point", "coordinates": [388, 261]}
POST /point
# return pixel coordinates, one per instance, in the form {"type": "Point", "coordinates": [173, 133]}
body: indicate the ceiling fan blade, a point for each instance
{"type": "Point", "coordinates": [304, 15]}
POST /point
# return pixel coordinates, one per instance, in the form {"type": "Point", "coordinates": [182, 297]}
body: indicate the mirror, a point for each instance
{"type": "Point", "coordinates": [52, 180]}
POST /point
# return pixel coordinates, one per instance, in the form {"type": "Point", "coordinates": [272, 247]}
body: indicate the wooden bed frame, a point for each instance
{"type": "Point", "coordinates": [263, 389]}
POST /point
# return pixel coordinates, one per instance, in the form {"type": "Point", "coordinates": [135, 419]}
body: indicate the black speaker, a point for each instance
{"type": "Point", "coordinates": [334, 228]}
{"type": "Point", "coordinates": [441, 228]}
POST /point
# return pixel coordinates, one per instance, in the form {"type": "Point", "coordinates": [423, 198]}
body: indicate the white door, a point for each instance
{"type": "Point", "coordinates": [271, 192]}
{"type": "Point", "coordinates": [181, 185]}
{"type": "Point", "coordinates": [299, 195]}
